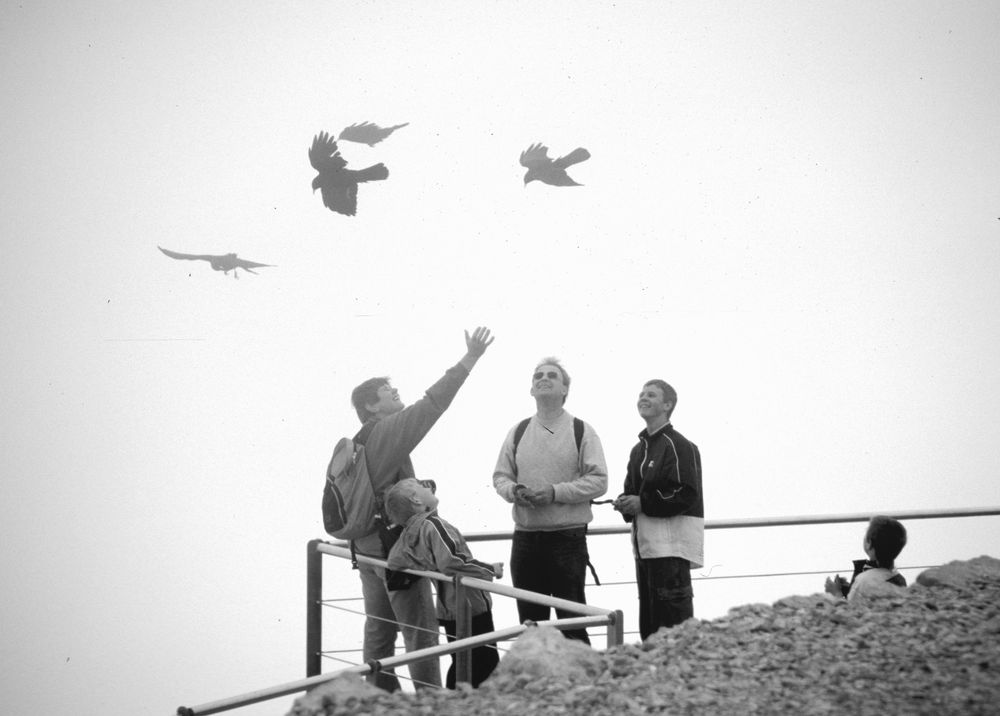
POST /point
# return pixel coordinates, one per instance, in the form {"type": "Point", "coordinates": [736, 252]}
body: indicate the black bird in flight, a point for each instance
{"type": "Point", "coordinates": [224, 263]}
{"type": "Point", "coordinates": [368, 133]}
{"type": "Point", "coordinates": [337, 183]}
{"type": "Point", "coordinates": [550, 171]}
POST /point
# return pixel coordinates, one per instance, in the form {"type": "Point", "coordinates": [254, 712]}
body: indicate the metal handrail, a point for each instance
{"type": "Point", "coordinates": [778, 521]}
{"type": "Point", "coordinates": [593, 616]}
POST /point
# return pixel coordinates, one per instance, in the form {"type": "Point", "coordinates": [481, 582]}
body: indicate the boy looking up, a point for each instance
{"type": "Point", "coordinates": [430, 543]}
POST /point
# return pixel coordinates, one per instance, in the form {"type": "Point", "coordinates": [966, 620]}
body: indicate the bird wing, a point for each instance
{"type": "Point", "coordinates": [343, 198]}
{"type": "Point", "coordinates": [535, 156]}
{"type": "Point", "coordinates": [244, 264]}
{"type": "Point", "coordinates": [368, 133]}
{"type": "Point", "coordinates": [323, 154]}
{"type": "Point", "coordinates": [175, 255]}
{"type": "Point", "coordinates": [575, 157]}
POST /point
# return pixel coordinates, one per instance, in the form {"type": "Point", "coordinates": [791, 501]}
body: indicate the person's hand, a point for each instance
{"type": "Point", "coordinates": [543, 496]}
{"type": "Point", "coordinates": [628, 504]}
{"type": "Point", "coordinates": [479, 341]}
{"type": "Point", "coordinates": [497, 570]}
{"type": "Point", "coordinates": [835, 586]}
{"type": "Point", "coordinates": [521, 496]}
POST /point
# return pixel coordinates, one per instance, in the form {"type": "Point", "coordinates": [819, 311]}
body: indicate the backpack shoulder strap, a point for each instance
{"type": "Point", "coordinates": [362, 435]}
{"type": "Point", "coordinates": [578, 432]}
{"type": "Point", "coordinates": [518, 434]}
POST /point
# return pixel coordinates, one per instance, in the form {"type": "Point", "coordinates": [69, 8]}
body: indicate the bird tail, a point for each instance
{"type": "Point", "coordinates": [575, 157]}
{"type": "Point", "coordinates": [373, 173]}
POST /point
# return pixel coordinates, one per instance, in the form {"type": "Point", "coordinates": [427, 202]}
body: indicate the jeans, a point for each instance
{"type": "Point", "coordinates": [413, 608]}
{"type": "Point", "coordinates": [484, 658]}
{"type": "Point", "coordinates": [665, 595]}
{"type": "Point", "coordinates": [552, 563]}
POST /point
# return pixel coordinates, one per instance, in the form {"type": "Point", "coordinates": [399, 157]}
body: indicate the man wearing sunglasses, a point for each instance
{"type": "Point", "coordinates": [550, 467]}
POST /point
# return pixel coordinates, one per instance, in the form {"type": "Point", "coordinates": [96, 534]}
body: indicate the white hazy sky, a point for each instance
{"type": "Point", "coordinates": [791, 214]}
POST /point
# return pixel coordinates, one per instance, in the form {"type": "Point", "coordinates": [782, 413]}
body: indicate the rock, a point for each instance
{"type": "Point", "coordinates": [340, 695]}
{"type": "Point", "coordinates": [961, 574]}
{"type": "Point", "coordinates": [544, 653]}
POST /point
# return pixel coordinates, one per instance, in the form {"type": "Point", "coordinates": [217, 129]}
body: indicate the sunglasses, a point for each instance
{"type": "Point", "coordinates": [551, 375]}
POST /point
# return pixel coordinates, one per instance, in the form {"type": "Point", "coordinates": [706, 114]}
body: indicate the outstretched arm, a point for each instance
{"type": "Point", "coordinates": [396, 435]}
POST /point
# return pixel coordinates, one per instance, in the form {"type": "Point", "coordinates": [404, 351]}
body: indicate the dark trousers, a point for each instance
{"type": "Point", "coordinates": [665, 595]}
{"type": "Point", "coordinates": [552, 563]}
{"type": "Point", "coordinates": [484, 658]}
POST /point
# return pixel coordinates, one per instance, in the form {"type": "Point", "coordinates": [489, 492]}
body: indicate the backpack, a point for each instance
{"type": "Point", "coordinates": [350, 504]}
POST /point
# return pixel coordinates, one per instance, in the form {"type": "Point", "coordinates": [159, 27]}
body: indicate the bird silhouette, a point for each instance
{"type": "Point", "coordinates": [550, 171]}
{"type": "Point", "coordinates": [368, 133]}
{"type": "Point", "coordinates": [338, 184]}
{"type": "Point", "coordinates": [224, 263]}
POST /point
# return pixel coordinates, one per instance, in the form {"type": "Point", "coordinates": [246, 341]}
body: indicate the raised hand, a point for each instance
{"type": "Point", "coordinates": [479, 341]}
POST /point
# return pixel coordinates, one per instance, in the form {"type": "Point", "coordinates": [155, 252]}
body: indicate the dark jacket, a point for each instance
{"type": "Point", "coordinates": [664, 470]}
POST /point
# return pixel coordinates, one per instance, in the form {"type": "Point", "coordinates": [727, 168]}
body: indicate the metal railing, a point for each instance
{"type": "Point", "coordinates": [593, 616]}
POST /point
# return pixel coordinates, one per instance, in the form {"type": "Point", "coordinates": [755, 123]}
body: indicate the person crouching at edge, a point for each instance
{"type": "Point", "coordinates": [884, 540]}
{"type": "Point", "coordinates": [429, 542]}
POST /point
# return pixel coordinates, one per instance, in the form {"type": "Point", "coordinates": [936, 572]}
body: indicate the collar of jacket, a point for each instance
{"type": "Point", "coordinates": [645, 434]}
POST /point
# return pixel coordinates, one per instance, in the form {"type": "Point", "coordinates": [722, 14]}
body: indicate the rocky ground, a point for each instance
{"type": "Point", "coordinates": [933, 648]}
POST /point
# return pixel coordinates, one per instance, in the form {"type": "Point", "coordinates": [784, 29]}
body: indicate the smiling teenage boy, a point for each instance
{"type": "Point", "coordinates": [662, 499]}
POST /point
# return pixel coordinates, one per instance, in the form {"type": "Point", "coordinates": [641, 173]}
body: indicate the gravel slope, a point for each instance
{"type": "Point", "coordinates": [933, 648]}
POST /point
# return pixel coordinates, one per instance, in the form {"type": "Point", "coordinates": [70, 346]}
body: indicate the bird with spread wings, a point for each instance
{"type": "Point", "coordinates": [368, 133]}
{"type": "Point", "coordinates": [550, 171]}
{"type": "Point", "coordinates": [337, 184]}
{"type": "Point", "coordinates": [224, 263]}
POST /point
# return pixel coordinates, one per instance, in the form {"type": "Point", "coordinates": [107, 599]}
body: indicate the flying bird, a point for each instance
{"type": "Point", "coordinates": [368, 133]}
{"type": "Point", "coordinates": [550, 171]}
{"type": "Point", "coordinates": [337, 183]}
{"type": "Point", "coordinates": [224, 263]}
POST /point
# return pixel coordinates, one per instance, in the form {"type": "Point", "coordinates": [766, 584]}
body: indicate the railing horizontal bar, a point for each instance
{"type": "Point", "coordinates": [337, 550]}
{"type": "Point", "coordinates": [273, 692]}
{"type": "Point", "coordinates": [524, 594]}
{"type": "Point", "coordinates": [292, 687]}
{"type": "Point", "coordinates": [779, 521]}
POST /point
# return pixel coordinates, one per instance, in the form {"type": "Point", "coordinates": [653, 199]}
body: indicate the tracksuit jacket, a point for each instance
{"type": "Point", "coordinates": [430, 543]}
{"type": "Point", "coordinates": [664, 470]}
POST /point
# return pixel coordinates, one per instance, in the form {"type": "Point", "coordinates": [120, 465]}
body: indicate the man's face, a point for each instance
{"type": "Point", "coordinates": [388, 402]}
{"type": "Point", "coordinates": [547, 380]}
{"type": "Point", "coordinates": [651, 404]}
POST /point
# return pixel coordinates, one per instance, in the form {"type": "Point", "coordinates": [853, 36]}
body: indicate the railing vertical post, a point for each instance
{"type": "Point", "coordinates": [463, 629]}
{"type": "Point", "coordinates": [616, 629]}
{"type": "Point", "coordinates": [314, 608]}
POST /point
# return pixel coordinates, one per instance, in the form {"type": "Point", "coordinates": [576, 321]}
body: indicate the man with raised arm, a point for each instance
{"type": "Point", "coordinates": [390, 431]}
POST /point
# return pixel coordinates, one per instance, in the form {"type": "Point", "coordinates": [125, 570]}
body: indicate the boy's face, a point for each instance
{"type": "Point", "coordinates": [651, 403]}
{"type": "Point", "coordinates": [427, 498]}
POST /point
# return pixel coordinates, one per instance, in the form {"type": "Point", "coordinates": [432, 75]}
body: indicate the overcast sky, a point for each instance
{"type": "Point", "coordinates": [790, 214]}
